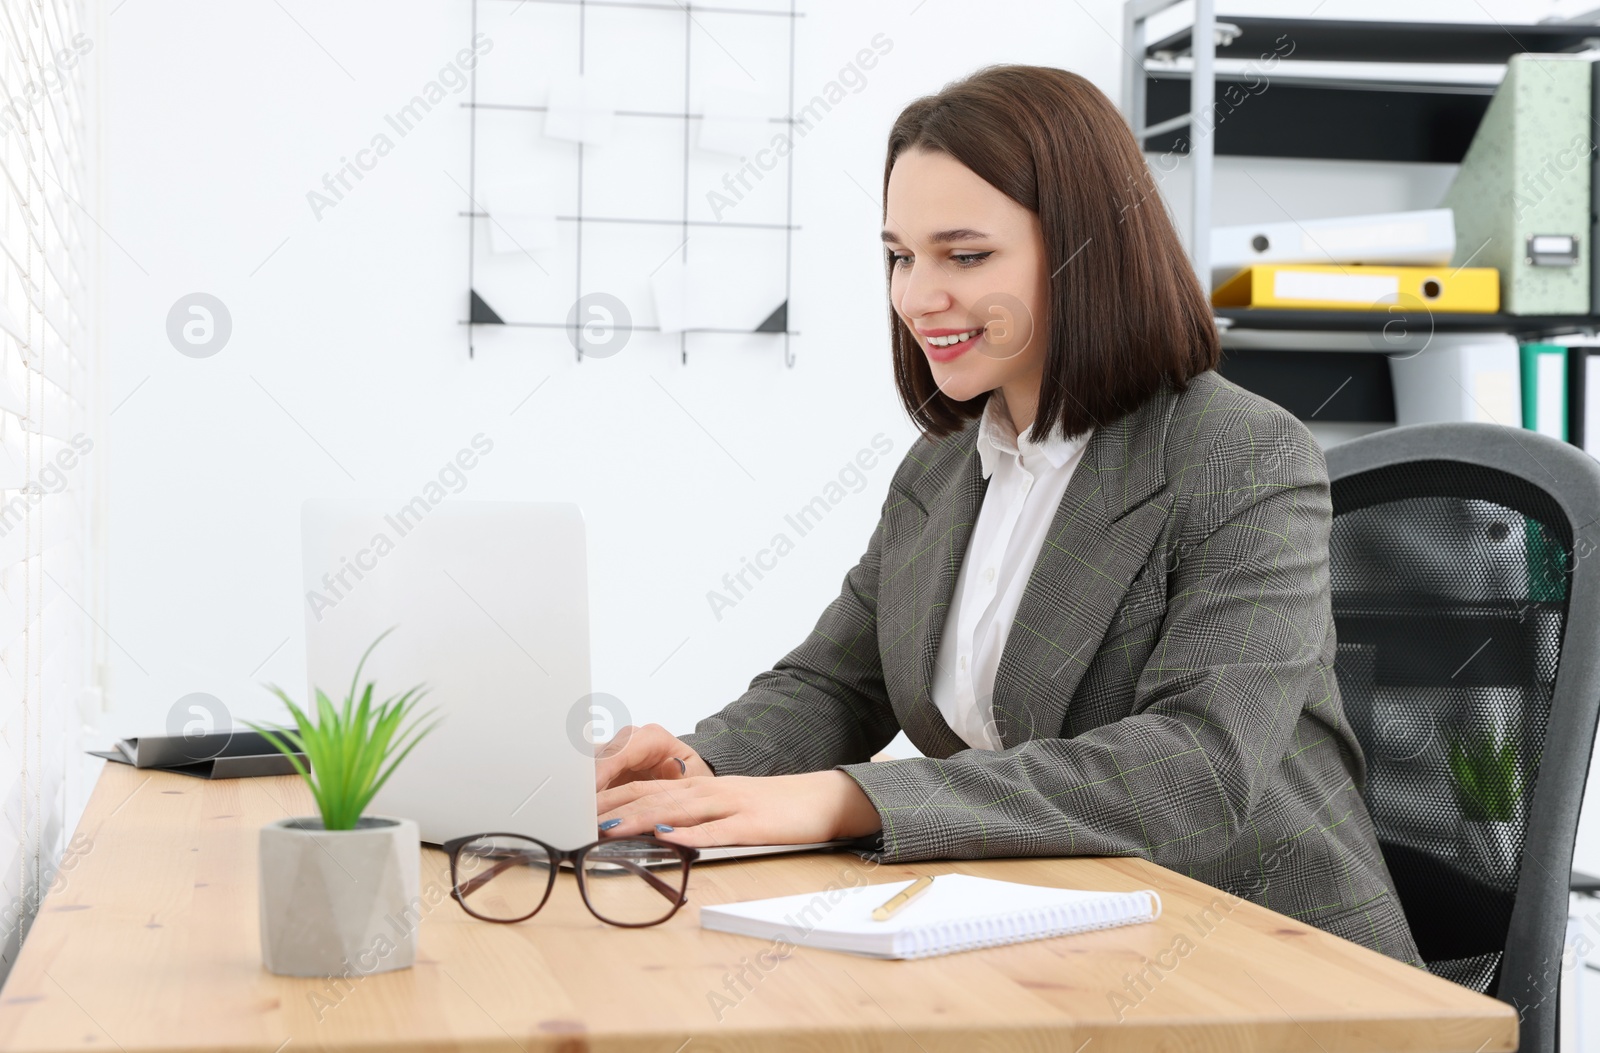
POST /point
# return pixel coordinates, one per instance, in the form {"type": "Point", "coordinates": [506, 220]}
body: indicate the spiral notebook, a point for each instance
{"type": "Point", "coordinates": [958, 913]}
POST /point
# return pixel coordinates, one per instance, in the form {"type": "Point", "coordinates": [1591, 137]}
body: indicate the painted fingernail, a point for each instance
{"type": "Point", "coordinates": [609, 823]}
{"type": "Point", "coordinates": [664, 828]}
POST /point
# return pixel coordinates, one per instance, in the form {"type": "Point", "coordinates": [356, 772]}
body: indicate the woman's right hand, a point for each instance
{"type": "Point", "coordinates": [650, 752]}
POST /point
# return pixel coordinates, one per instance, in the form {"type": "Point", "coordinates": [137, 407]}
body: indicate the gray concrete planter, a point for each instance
{"type": "Point", "coordinates": [339, 902]}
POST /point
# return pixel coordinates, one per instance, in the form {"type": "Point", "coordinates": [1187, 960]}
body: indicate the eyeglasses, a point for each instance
{"type": "Point", "coordinates": [627, 881]}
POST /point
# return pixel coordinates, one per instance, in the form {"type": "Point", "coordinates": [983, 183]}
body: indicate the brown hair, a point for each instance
{"type": "Point", "coordinates": [1128, 315]}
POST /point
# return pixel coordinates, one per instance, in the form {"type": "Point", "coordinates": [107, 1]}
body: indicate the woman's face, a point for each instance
{"type": "Point", "coordinates": [968, 271]}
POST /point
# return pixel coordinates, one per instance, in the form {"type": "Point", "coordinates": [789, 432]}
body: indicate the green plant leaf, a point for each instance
{"type": "Point", "coordinates": [348, 744]}
{"type": "Point", "coordinates": [1484, 770]}
{"type": "Point", "coordinates": [396, 763]}
{"type": "Point", "coordinates": [382, 741]}
{"type": "Point", "coordinates": [287, 744]}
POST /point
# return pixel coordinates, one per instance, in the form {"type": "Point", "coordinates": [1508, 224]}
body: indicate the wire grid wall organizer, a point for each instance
{"type": "Point", "coordinates": [656, 196]}
{"type": "Point", "coordinates": [47, 376]}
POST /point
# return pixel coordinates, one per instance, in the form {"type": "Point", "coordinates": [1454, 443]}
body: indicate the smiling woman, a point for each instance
{"type": "Point", "coordinates": [1097, 596]}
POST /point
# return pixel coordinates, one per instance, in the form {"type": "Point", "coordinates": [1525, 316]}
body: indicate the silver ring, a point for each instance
{"type": "Point", "coordinates": [683, 769]}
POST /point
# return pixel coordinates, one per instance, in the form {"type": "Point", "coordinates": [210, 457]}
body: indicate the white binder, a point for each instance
{"type": "Point", "coordinates": [1421, 238]}
{"type": "Point", "coordinates": [1474, 376]}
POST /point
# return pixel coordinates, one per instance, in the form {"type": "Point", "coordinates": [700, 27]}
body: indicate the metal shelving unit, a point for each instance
{"type": "Point", "coordinates": [1349, 40]}
{"type": "Point", "coordinates": [1197, 91]}
{"type": "Point", "coordinates": [1320, 115]}
{"type": "Point", "coordinates": [1136, 14]}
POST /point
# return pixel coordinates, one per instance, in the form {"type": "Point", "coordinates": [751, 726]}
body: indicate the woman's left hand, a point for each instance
{"type": "Point", "coordinates": [708, 810]}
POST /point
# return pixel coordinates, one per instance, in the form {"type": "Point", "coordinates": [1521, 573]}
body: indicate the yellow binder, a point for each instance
{"type": "Point", "coordinates": [1358, 287]}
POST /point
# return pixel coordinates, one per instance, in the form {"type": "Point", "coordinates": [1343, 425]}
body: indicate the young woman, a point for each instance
{"type": "Point", "coordinates": [1097, 599]}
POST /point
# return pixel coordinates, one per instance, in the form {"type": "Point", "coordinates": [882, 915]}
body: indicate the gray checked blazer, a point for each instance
{"type": "Point", "coordinates": [1166, 690]}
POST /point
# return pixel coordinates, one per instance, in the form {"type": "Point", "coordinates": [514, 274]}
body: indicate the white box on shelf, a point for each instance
{"type": "Point", "coordinates": [1459, 377]}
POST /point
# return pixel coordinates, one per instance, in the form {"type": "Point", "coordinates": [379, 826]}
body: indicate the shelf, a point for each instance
{"type": "Point", "coordinates": [480, 313]}
{"type": "Point", "coordinates": [1280, 112]}
{"type": "Point", "coordinates": [1277, 91]}
{"type": "Point", "coordinates": [1420, 320]}
{"type": "Point", "coordinates": [569, 327]}
{"type": "Point", "coordinates": [1423, 123]}
{"type": "Point", "coordinates": [1342, 40]}
{"type": "Point", "coordinates": [1336, 387]}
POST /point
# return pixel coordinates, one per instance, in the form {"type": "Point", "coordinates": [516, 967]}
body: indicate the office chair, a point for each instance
{"type": "Point", "coordinates": [1464, 561]}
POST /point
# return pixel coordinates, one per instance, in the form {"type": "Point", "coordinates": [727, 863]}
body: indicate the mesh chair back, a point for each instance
{"type": "Point", "coordinates": [1466, 614]}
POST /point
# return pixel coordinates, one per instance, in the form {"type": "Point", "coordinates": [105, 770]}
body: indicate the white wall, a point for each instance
{"type": "Point", "coordinates": [222, 117]}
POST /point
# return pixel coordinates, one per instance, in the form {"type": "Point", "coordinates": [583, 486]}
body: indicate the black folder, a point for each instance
{"type": "Point", "coordinates": [1583, 419]}
{"type": "Point", "coordinates": [214, 755]}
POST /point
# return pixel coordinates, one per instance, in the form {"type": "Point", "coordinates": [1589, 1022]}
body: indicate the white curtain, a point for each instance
{"type": "Point", "coordinates": [51, 446]}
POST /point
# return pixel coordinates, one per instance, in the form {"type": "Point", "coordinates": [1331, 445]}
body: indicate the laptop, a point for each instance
{"type": "Point", "coordinates": [487, 604]}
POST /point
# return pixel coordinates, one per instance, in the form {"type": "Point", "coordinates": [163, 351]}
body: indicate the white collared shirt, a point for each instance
{"type": "Point", "coordinates": [1026, 483]}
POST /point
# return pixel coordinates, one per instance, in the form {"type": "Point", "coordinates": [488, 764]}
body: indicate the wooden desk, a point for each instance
{"type": "Point", "coordinates": [150, 942]}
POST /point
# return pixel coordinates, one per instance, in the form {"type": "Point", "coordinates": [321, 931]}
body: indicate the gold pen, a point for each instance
{"type": "Point", "coordinates": [901, 898]}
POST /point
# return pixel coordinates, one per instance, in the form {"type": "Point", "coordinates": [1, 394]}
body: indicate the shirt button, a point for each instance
{"type": "Point", "coordinates": [988, 575]}
{"type": "Point", "coordinates": [1027, 483]}
{"type": "Point", "coordinates": [963, 663]}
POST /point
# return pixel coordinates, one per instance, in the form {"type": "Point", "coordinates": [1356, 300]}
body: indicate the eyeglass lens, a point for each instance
{"type": "Point", "coordinates": [633, 882]}
{"type": "Point", "coordinates": [502, 878]}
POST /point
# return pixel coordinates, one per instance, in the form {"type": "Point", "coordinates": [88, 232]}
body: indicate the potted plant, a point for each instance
{"type": "Point", "coordinates": [339, 889]}
{"type": "Point", "coordinates": [1489, 786]}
